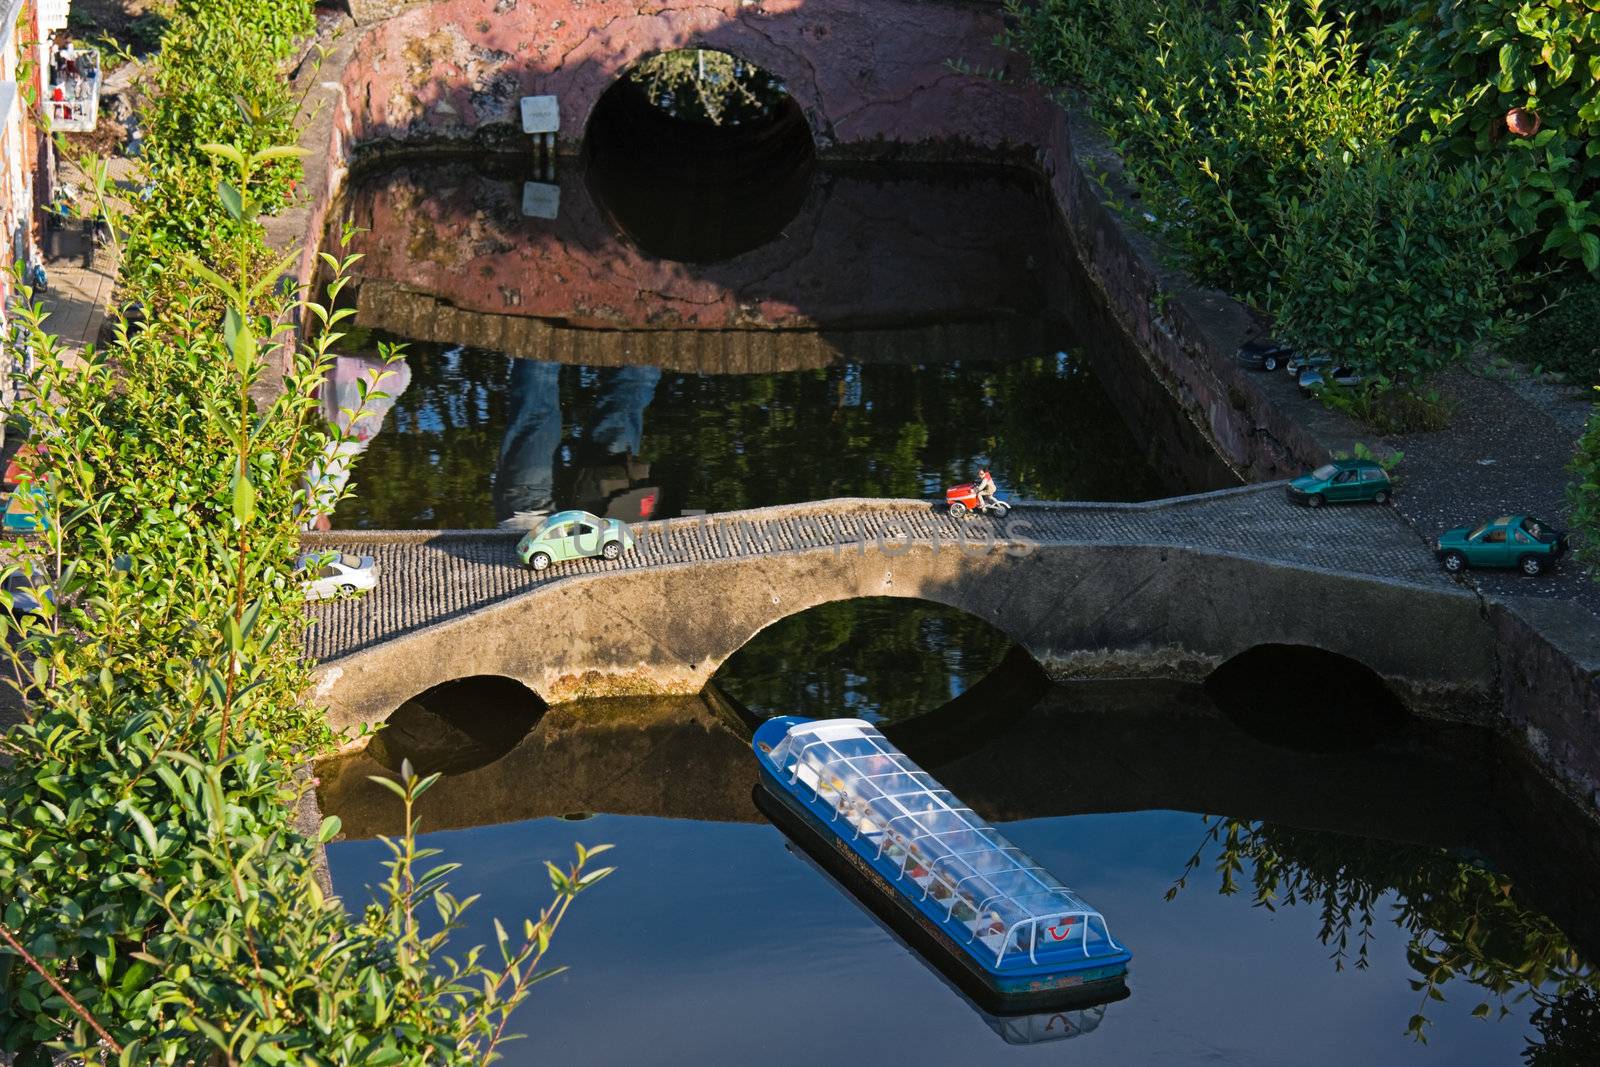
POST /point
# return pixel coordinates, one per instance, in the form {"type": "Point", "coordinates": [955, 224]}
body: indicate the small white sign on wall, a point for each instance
{"type": "Point", "coordinates": [541, 200]}
{"type": "Point", "coordinates": [541, 114]}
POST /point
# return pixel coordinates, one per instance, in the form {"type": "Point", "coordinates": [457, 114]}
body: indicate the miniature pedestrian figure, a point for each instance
{"type": "Point", "coordinates": [986, 489]}
{"type": "Point", "coordinates": [38, 279]}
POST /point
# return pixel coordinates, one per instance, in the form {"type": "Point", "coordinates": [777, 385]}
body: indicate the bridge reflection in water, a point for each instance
{"type": "Point", "coordinates": [1430, 822]}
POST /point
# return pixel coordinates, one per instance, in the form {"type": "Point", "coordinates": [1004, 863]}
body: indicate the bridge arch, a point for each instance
{"type": "Point", "coordinates": [1306, 698]}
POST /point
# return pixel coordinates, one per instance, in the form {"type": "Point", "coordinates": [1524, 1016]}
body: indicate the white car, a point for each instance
{"type": "Point", "coordinates": [344, 573]}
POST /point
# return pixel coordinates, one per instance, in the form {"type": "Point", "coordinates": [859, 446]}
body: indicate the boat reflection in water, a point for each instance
{"type": "Point", "coordinates": [1034, 1028]}
{"type": "Point", "coordinates": [991, 917]}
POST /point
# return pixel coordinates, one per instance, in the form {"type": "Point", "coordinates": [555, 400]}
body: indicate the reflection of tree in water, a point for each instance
{"type": "Point", "coordinates": [751, 441]}
{"type": "Point", "coordinates": [719, 442]}
{"type": "Point", "coordinates": [879, 658]}
{"type": "Point", "coordinates": [1462, 920]}
{"type": "Point", "coordinates": [699, 85]}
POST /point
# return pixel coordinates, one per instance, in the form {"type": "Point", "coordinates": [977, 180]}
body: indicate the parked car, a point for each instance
{"type": "Point", "coordinates": [1314, 378]}
{"type": "Point", "coordinates": [573, 535]}
{"type": "Point", "coordinates": [1301, 361]}
{"type": "Point", "coordinates": [1519, 541]}
{"type": "Point", "coordinates": [344, 573]}
{"type": "Point", "coordinates": [1343, 481]}
{"type": "Point", "coordinates": [1264, 354]}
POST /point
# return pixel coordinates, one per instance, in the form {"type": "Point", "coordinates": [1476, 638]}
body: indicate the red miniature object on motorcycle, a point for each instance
{"type": "Point", "coordinates": [964, 498]}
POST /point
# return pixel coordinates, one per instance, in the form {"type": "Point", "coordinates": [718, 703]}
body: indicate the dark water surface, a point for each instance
{"type": "Point", "coordinates": [910, 326]}
{"type": "Point", "coordinates": [473, 429]}
{"type": "Point", "coordinates": [714, 943]}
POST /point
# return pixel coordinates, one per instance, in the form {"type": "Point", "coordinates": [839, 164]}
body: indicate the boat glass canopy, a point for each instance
{"type": "Point", "coordinates": [1018, 910]}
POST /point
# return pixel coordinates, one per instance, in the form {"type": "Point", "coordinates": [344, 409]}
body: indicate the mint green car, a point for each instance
{"type": "Point", "coordinates": [1519, 541]}
{"type": "Point", "coordinates": [573, 535]}
{"type": "Point", "coordinates": [1344, 481]}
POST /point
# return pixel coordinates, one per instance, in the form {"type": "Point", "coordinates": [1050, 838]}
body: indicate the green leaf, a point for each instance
{"type": "Point", "coordinates": [244, 498]}
{"type": "Point", "coordinates": [232, 201]}
{"type": "Point", "coordinates": [141, 821]}
{"type": "Point", "coordinates": [1589, 244]}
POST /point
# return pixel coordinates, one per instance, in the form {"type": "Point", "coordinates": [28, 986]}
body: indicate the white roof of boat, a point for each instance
{"type": "Point", "coordinates": [950, 835]}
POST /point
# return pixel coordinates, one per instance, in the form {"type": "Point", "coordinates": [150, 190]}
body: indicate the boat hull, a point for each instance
{"type": "Point", "coordinates": [997, 994]}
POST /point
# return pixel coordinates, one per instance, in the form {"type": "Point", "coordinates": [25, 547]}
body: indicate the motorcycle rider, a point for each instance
{"type": "Point", "coordinates": [986, 490]}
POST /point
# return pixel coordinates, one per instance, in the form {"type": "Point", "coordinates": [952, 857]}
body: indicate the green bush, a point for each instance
{"type": "Point", "coordinates": [1277, 150]}
{"type": "Point", "coordinates": [218, 79]}
{"type": "Point", "coordinates": [152, 870]}
{"type": "Point", "coordinates": [1484, 57]}
{"type": "Point", "coordinates": [160, 907]}
{"type": "Point", "coordinates": [1563, 336]}
{"type": "Point", "coordinates": [1583, 494]}
{"type": "Point", "coordinates": [1390, 260]}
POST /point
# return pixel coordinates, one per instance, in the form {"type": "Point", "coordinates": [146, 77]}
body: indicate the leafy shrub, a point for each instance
{"type": "Point", "coordinates": [1563, 336]}
{"type": "Point", "coordinates": [1391, 410]}
{"type": "Point", "coordinates": [1391, 260]}
{"type": "Point", "coordinates": [160, 906]}
{"type": "Point", "coordinates": [1213, 109]}
{"type": "Point", "coordinates": [147, 846]}
{"type": "Point", "coordinates": [1484, 57]}
{"type": "Point", "coordinates": [1271, 145]}
{"type": "Point", "coordinates": [1583, 494]}
{"type": "Point", "coordinates": [218, 79]}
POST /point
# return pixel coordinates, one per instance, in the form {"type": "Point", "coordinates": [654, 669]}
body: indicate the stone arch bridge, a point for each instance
{"type": "Point", "coordinates": [1167, 589]}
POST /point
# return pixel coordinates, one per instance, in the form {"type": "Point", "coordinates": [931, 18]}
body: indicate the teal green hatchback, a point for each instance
{"type": "Point", "coordinates": [1344, 481]}
{"type": "Point", "coordinates": [1519, 541]}
{"type": "Point", "coordinates": [573, 535]}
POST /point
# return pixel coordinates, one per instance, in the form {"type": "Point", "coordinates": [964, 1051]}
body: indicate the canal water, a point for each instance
{"type": "Point", "coordinates": [1280, 904]}
{"type": "Point", "coordinates": [913, 326]}
{"type": "Point", "coordinates": [1303, 879]}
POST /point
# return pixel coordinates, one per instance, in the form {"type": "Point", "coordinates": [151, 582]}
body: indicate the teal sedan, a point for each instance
{"type": "Point", "coordinates": [573, 535]}
{"type": "Point", "coordinates": [1519, 541]}
{"type": "Point", "coordinates": [1343, 481]}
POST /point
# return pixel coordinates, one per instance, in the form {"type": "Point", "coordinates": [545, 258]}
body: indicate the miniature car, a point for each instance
{"type": "Point", "coordinates": [1520, 541]}
{"type": "Point", "coordinates": [1342, 481]}
{"type": "Point", "coordinates": [345, 573]}
{"type": "Point", "coordinates": [1314, 378]}
{"type": "Point", "coordinates": [1264, 354]}
{"type": "Point", "coordinates": [573, 535]}
{"type": "Point", "coordinates": [1306, 361]}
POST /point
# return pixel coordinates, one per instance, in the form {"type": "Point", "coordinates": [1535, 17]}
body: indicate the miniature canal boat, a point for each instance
{"type": "Point", "coordinates": [1010, 935]}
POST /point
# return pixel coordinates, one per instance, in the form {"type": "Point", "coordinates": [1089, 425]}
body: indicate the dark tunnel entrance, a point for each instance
{"type": "Point", "coordinates": [698, 156]}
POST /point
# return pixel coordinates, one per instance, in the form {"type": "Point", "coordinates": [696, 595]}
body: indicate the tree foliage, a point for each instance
{"type": "Point", "coordinates": [161, 905]}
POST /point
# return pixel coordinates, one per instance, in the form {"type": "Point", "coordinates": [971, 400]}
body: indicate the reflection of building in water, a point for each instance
{"type": "Point", "coordinates": [604, 477]}
{"type": "Point", "coordinates": [356, 395]}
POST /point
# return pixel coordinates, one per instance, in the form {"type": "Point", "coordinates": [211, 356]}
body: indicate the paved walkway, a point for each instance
{"type": "Point", "coordinates": [79, 297]}
{"type": "Point", "coordinates": [1506, 451]}
{"type": "Point", "coordinates": [428, 578]}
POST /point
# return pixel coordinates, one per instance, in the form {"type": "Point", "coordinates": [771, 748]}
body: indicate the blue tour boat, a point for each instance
{"type": "Point", "coordinates": [1006, 930]}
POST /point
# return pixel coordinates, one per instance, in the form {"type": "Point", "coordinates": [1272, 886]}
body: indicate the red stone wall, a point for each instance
{"type": "Point", "coordinates": [862, 73]}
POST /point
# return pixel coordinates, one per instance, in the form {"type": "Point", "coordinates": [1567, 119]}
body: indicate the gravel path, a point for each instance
{"type": "Point", "coordinates": [1506, 450]}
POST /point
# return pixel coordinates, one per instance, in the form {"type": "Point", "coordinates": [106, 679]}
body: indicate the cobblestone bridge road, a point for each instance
{"type": "Point", "coordinates": [430, 576]}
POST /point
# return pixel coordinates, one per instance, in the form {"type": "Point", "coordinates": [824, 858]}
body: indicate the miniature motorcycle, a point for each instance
{"type": "Point", "coordinates": [964, 498]}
